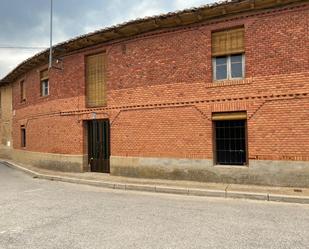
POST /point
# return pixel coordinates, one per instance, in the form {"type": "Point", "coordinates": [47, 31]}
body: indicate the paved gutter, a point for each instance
{"type": "Point", "coordinates": [226, 191]}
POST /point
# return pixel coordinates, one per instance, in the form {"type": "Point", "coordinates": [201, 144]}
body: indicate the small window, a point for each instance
{"type": "Point", "coordinates": [44, 83]}
{"type": "Point", "coordinates": [23, 137]}
{"type": "Point", "coordinates": [22, 92]}
{"type": "Point", "coordinates": [45, 88]}
{"type": "Point", "coordinates": [229, 67]}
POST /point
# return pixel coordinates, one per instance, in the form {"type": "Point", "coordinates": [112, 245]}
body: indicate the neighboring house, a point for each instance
{"type": "Point", "coordinates": [218, 93]}
{"type": "Point", "coordinates": [5, 120]}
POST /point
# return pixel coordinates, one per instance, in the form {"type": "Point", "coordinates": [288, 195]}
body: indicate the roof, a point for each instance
{"type": "Point", "coordinates": [140, 26]}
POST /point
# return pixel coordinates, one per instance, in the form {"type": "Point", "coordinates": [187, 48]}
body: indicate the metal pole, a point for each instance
{"type": "Point", "coordinates": [51, 36]}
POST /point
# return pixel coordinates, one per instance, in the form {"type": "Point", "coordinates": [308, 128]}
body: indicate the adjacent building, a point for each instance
{"type": "Point", "coordinates": [218, 93]}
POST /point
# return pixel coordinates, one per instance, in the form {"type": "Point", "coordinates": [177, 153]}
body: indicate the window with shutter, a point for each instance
{"type": "Point", "coordinates": [230, 138]}
{"type": "Point", "coordinates": [96, 80]}
{"type": "Point", "coordinates": [228, 50]}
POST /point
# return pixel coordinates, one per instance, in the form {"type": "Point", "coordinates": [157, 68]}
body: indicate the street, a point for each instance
{"type": "Point", "coordinates": [44, 214]}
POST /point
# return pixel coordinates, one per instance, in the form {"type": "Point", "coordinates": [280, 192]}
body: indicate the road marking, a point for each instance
{"type": "Point", "coordinates": [33, 190]}
{"type": "Point", "coordinates": [15, 230]}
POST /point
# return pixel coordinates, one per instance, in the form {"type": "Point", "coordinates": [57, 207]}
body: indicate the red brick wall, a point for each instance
{"type": "Point", "coordinates": [161, 94]}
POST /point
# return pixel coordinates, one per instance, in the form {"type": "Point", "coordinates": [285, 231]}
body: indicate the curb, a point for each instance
{"type": "Point", "coordinates": [289, 199]}
{"type": "Point", "coordinates": [165, 189]}
{"type": "Point", "coordinates": [247, 195]}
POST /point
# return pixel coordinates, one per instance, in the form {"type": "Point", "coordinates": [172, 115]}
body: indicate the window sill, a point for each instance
{"type": "Point", "coordinates": [96, 107]}
{"type": "Point", "coordinates": [44, 97]}
{"type": "Point", "coordinates": [220, 166]}
{"type": "Point", "coordinates": [222, 83]}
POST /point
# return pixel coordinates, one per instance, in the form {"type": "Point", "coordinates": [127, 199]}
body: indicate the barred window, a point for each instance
{"type": "Point", "coordinates": [230, 138]}
{"type": "Point", "coordinates": [23, 136]}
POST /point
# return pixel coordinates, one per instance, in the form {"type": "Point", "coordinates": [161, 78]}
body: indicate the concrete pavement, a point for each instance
{"type": "Point", "coordinates": [48, 214]}
{"type": "Point", "coordinates": [264, 193]}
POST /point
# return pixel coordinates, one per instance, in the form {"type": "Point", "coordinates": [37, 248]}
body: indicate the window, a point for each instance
{"type": "Point", "coordinates": [229, 67]}
{"type": "Point", "coordinates": [96, 80]}
{"type": "Point", "coordinates": [228, 54]}
{"type": "Point", "coordinates": [23, 137]}
{"type": "Point", "coordinates": [230, 138]}
{"type": "Point", "coordinates": [22, 92]}
{"type": "Point", "coordinates": [45, 87]}
{"type": "Point", "coordinates": [44, 83]}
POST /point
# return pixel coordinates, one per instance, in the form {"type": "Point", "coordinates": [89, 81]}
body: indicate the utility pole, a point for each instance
{"type": "Point", "coordinates": [51, 36]}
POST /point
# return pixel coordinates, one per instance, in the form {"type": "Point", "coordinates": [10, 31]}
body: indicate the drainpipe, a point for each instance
{"type": "Point", "coordinates": [51, 36]}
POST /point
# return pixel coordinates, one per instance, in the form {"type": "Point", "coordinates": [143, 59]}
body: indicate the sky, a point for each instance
{"type": "Point", "coordinates": [25, 23]}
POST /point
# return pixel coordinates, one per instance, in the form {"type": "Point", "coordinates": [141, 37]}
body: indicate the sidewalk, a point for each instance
{"type": "Point", "coordinates": [266, 193]}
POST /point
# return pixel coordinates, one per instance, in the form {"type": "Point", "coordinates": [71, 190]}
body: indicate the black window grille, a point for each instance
{"type": "Point", "coordinates": [23, 137]}
{"type": "Point", "coordinates": [231, 144]}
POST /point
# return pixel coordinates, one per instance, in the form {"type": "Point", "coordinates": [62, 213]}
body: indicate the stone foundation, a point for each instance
{"type": "Point", "coordinates": [259, 172]}
{"type": "Point", "coordinates": [5, 152]}
{"type": "Point", "coordinates": [58, 162]}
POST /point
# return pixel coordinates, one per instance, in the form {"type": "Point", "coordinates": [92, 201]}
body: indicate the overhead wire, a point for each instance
{"type": "Point", "coordinates": [22, 47]}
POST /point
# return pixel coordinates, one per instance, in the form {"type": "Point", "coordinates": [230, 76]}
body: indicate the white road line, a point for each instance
{"type": "Point", "coordinates": [33, 190]}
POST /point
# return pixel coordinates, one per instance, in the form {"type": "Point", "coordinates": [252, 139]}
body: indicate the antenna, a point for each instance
{"type": "Point", "coordinates": [51, 36]}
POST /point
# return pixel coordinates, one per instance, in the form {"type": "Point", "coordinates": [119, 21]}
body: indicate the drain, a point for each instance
{"type": "Point", "coordinates": [298, 190]}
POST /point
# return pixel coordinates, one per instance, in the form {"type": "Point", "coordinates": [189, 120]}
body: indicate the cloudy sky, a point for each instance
{"type": "Point", "coordinates": [25, 23]}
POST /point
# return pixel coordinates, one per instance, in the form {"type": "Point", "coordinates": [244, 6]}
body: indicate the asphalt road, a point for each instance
{"type": "Point", "coordinates": [43, 214]}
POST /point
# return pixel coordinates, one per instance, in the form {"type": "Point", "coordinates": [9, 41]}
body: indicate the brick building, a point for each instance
{"type": "Point", "coordinates": [218, 93]}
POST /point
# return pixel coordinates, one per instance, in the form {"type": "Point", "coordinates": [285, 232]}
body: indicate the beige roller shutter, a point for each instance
{"type": "Point", "coordinates": [44, 75]}
{"type": "Point", "coordinates": [22, 91]}
{"type": "Point", "coordinates": [95, 80]}
{"type": "Point", "coordinates": [228, 42]}
{"type": "Point", "coordinates": [221, 116]}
